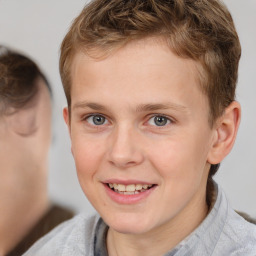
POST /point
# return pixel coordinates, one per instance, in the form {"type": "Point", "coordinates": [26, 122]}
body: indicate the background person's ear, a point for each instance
{"type": "Point", "coordinates": [23, 121]}
{"type": "Point", "coordinates": [225, 133]}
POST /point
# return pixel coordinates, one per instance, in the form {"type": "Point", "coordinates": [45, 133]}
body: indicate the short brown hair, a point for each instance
{"type": "Point", "coordinates": [18, 75]}
{"type": "Point", "coordinates": [202, 30]}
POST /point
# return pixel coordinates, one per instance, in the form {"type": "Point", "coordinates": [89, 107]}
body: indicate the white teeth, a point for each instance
{"type": "Point", "coordinates": [121, 187]}
{"type": "Point", "coordinates": [129, 189]}
{"type": "Point", "coordinates": [138, 186]}
{"type": "Point", "coordinates": [128, 193]}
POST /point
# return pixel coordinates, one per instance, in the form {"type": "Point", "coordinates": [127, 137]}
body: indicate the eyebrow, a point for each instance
{"type": "Point", "coordinates": [92, 105]}
{"type": "Point", "coordinates": [159, 106]}
{"type": "Point", "coordinates": [140, 108]}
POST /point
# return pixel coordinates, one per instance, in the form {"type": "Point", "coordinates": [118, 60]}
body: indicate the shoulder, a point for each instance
{"type": "Point", "coordinates": [73, 237]}
{"type": "Point", "coordinates": [224, 232]}
{"type": "Point", "coordinates": [238, 236]}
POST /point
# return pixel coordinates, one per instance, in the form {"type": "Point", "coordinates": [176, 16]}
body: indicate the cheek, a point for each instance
{"type": "Point", "coordinates": [46, 129]}
{"type": "Point", "coordinates": [87, 155]}
{"type": "Point", "coordinates": [180, 159]}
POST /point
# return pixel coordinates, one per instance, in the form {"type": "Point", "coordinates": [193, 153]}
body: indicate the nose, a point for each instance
{"type": "Point", "coordinates": [124, 148]}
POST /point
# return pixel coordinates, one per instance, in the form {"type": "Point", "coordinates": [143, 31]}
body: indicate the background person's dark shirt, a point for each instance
{"type": "Point", "coordinates": [51, 219]}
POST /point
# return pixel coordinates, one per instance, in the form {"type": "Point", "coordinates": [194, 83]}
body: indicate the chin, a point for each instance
{"type": "Point", "coordinates": [129, 230]}
{"type": "Point", "coordinates": [129, 225]}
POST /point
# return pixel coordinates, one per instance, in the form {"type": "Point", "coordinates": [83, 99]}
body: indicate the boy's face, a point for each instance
{"type": "Point", "coordinates": [139, 117]}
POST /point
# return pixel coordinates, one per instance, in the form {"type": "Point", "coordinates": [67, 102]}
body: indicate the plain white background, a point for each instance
{"type": "Point", "coordinates": [37, 28]}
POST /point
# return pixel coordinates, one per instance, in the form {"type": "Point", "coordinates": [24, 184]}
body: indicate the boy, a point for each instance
{"type": "Point", "coordinates": [150, 87]}
{"type": "Point", "coordinates": [25, 134]}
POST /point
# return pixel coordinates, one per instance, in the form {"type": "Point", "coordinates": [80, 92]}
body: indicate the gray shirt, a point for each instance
{"type": "Point", "coordinates": [222, 233]}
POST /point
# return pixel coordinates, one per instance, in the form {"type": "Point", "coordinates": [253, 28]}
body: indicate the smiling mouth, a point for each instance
{"type": "Point", "coordinates": [131, 189]}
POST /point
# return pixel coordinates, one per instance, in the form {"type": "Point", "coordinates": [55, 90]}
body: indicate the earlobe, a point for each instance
{"type": "Point", "coordinates": [225, 133]}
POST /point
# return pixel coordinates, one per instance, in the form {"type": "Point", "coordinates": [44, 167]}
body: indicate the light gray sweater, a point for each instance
{"type": "Point", "coordinates": [222, 233]}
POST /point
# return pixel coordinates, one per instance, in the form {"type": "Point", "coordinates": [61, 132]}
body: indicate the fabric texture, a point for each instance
{"type": "Point", "coordinates": [222, 233]}
{"type": "Point", "coordinates": [53, 217]}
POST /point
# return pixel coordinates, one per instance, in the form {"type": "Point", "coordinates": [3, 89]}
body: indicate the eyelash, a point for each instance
{"type": "Point", "coordinates": [86, 118]}
{"type": "Point", "coordinates": [167, 119]}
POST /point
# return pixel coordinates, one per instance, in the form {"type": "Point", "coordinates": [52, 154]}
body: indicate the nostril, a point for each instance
{"type": "Point", "coordinates": [122, 163]}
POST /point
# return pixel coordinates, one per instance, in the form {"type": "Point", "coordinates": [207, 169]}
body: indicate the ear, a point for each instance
{"type": "Point", "coordinates": [67, 121]}
{"type": "Point", "coordinates": [225, 133]}
{"type": "Point", "coordinates": [23, 121]}
{"type": "Point", "coordinates": [66, 118]}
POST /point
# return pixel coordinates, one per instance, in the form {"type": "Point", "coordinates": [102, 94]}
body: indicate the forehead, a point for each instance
{"type": "Point", "coordinates": [145, 67]}
{"type": "Point", "coordinates": [152, 51]}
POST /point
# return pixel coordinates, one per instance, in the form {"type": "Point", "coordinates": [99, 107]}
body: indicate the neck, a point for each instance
{"type": "Point", "coordinates": [162, 239]}
{"type": "Point", "coordinates": [22, 202]}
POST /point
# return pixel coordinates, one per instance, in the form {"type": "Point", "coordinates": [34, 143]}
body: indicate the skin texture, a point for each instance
{"type": "Point", "coordinates": [128, 89]}
{"type": "Point", "coordinates": [25, 136]}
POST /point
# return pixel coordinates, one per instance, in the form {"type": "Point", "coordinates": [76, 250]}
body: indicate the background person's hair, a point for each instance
{"type": "Point", "coordinates": [202, 30]}
{"type": "Point", "coordinates": [18, 77]}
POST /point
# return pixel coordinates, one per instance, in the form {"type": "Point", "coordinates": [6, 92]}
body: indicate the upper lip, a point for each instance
{"type": "Point", "coordinates": [127, 182]}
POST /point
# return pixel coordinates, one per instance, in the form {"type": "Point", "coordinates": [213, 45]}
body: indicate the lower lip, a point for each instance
{"type": "Point", "coordinates": [128, 199]}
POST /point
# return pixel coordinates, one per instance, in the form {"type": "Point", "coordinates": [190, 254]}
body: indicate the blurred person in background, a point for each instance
{"type": "Point", "coordinates": [26, 212]}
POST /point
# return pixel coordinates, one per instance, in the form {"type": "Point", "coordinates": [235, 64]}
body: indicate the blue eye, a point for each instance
{"type": "Point", "coordinates": [96, 120]}
{"type": "Point", "coordinates": [159, 121]}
